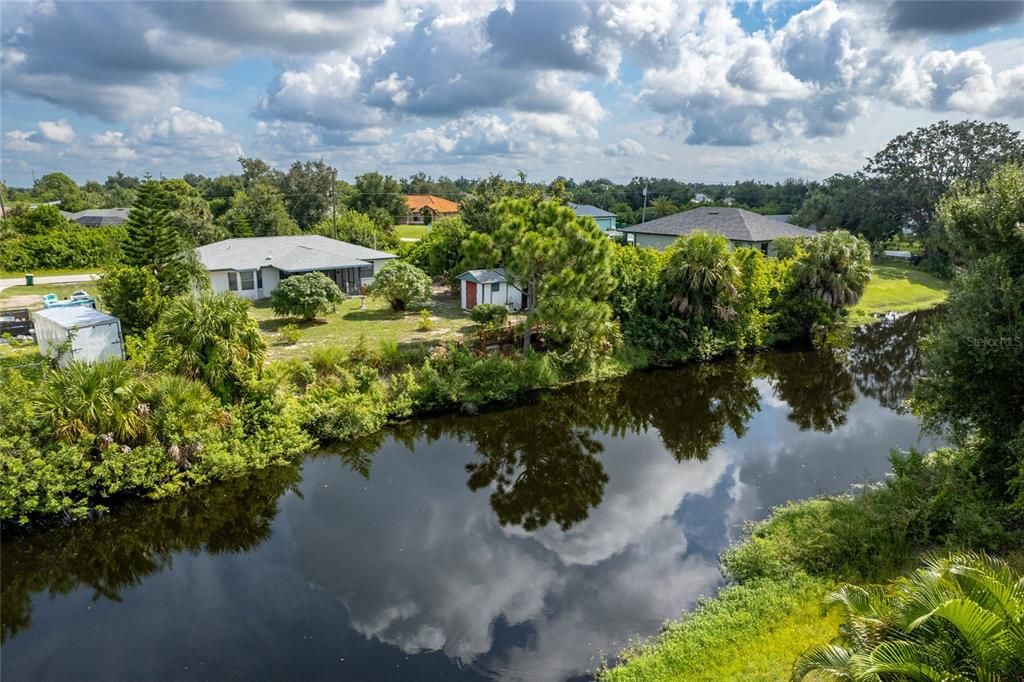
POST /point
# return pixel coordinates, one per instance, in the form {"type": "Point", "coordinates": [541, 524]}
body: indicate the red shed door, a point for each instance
{"type": "Point", "coordinates": [470, 295]}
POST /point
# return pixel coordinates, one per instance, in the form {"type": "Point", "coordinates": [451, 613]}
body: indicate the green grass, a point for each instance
{"type": "Point", "coordinates": [411, 231]}
{"type": "Point", "coordinates": [9, 295]}
{"type": "Point", "coordinates": [898, 288]}
{"type": "Point", "coordinates": [375, 323]}
{"type": "Point", "coordinates": [48, 272]}
{"type": "Point", "coordinates": [751, 632]}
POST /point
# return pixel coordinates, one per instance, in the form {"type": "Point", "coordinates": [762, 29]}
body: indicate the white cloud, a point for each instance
{"type": "Point", "coordinates": [625, 147]}
{"type": "Point", "coordinates": [57, 131]}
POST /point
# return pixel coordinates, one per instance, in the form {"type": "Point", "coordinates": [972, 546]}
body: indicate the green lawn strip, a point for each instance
{"type": "Point", "coordinates": [898, 288]}
{"type": "Point", "coordinates": [373, 324]}
{"type": "Point", "coordinates": [411, 231]}
{"type": "Point", "coordinates": [48, 272]}
{"type": "Point", "coordinates": [751, 631]}
{"type": "Point", "coordinates": [60, 290]}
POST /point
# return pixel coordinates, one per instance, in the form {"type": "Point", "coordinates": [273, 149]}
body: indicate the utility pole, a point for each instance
{"type": "Point", "coordinates": [334, 201]}
{"type": "Point", "coordinates": [643, 214]}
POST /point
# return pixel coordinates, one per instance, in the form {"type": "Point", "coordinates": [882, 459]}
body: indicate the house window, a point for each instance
{"type": "Point", "coordinates": [259, 279]}
{"type": "Point", "coordinates": [366, 271]}
{"type": "Point", "coordinates": [496, 287]}
{"type": "Point", "coordinates": [232, 281]}
{"type": "Point", "coordinates": [248, 280]}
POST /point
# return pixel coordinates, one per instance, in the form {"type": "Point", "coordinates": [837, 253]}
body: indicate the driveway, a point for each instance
{"type": "Point", "coordinates": [51, 279]}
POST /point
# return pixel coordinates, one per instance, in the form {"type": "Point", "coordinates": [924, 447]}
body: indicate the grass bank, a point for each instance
{"type": "Point", "coordinates": [749, 632]}
{"type": "Point", "coordinates": [756, 628]}
{"type": "Point", "coordinates": [898, 288]}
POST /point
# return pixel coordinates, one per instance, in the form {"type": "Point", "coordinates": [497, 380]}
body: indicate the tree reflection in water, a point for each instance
{"type": "Point", "coordinates": [885, 357]}
{"type": "Point", "coordinates": [817, 387]}
{"type": "Point", "coordinates": [119, 550]}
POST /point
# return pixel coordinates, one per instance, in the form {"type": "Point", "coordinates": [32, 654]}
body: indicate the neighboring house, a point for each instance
{"type": "Point", "coordinates": [98, 217]}
{"type": "Point", "coordinates": [739, 226]}
{"type": "Point", "coordinates": [700, 198]}
{"type": "Point", "coordinates": [78, 333]}
{"type": "Point", "coordinates": [252, 267]}
{"type": "Point", "coordinates": [604, 219]}
{"type": "Point", "coordinates": [490, 286]}
{"type": "Point", "coordinates": [425, 208]}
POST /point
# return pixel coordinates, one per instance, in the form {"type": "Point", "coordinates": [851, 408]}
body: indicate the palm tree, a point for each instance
{"type": "Point", "coordinates": [663, 206]}
{"type": "Point", "coordinates": [211, 337]}
{"type": "Point", "coordinates": [835, 268]}
{"type": "Point", "coordinates": [702, 276]}
{"type": "Point", "coordinates": [103, 400]}
{"type": "Point", "coordinates": [957, 618]}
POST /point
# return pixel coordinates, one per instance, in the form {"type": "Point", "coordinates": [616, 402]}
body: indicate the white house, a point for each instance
{"type": "Point", "coordinates": [93, 336]}
{"type": "Point", "coordinates": [252, 267]}
{"type": "Point", "coordinates": [490, 286]}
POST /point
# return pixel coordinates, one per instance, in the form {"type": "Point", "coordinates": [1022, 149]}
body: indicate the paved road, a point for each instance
{"type": "Point", "coordinates": [50, 279]}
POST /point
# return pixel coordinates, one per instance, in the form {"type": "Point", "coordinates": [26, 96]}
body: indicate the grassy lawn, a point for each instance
{"type": "Point", "coordinates": [375, 323]}
{"type": "Point", "coordinates": [10, 274]}
{"type": "Point", "coordinates": [411, 231]}
{"type": "Point", "coordinates": [752, 632]}
{"type": "Point", "coordinates": [31, 297]}
{"type": "Point", "coordinates": [898, 288]}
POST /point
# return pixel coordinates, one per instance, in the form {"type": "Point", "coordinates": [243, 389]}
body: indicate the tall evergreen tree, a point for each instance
{"type": "Point", "coordinates": [152, 242]}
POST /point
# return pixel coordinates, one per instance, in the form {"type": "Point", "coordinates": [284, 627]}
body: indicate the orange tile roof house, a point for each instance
{"type": "Point", "coordinates": [423, 208]}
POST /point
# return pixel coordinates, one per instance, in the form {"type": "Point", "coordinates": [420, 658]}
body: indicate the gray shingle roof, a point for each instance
{"type": "Point", "coordinates": [588, 210]}
{"type": "Point", "coordinates": [735, 224]}
{"type": "Point", "coordinates": [298, 253]}
{"type": "Point", "coordinates": [493, 276]}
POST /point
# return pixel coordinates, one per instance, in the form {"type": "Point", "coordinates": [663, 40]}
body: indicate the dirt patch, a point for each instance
{"type": "Point", "coordinates": [30, 301]}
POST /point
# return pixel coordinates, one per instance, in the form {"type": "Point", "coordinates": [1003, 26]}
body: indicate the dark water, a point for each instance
{"type": "Point", "coordinates": [520, 545]}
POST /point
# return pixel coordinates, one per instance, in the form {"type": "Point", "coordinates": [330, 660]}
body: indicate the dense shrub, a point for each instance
{"type": "Point", "coordinates": [73, 247]}
{"type": "Point", "coordinates": [400, 284]}
{"type": "Point", "coordinates": [489, 314]}
{"type": "Point", "coordinates": [132, 295]}
{"type": "Point", "coordinates": [306, 296]}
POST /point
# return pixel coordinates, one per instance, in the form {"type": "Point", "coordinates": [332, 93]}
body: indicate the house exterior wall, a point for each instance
{"type": "Point", "coordinates": [271, 276]}
{"type": "Point", "coordinates": [663, 241]}
{"type": "Point", "coordinates": [655, 241]}
{"type": "Point", "coordinates": [502, 293]}
{"type": "Point", "coordinates": [606, 223]}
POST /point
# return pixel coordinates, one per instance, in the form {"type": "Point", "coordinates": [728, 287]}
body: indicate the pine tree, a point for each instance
{"type": "Point", "coordinates": [153, 244]}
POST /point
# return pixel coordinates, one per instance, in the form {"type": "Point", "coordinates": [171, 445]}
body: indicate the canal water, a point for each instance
{"type": "Point", "coordinates": [521, 544]}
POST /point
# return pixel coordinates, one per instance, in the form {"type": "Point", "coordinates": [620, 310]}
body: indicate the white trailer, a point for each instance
{"type": "Point", "coordinates": [93, 336]}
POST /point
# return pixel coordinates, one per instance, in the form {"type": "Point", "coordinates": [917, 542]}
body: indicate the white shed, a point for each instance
{"type": "Point", "coordinates": [490, 286]}
{"type": "Point", "coordinates": [94, 336]}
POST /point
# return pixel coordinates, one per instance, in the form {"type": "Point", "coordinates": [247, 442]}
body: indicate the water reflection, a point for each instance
{"type": "Point", "coordinates": [516, 544]}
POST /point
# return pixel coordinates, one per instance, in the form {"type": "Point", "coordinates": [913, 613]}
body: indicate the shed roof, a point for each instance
{"type": "Point", "coordinates": [416, 202]}
{"type": "Point", "coordinates": [75, 317]}
{"type": "Point", "coordinates": [488, 276]}
{"type": "Point", "coordinates": [736, 224]}
{"type": "Point", "coordinates": [293, 253]}
{"type": "Point", "coordinates": [589, 210]}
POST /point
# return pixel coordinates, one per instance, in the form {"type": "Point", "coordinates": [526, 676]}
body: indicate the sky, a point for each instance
{"type": "Point", "coordinates": [702, 91]}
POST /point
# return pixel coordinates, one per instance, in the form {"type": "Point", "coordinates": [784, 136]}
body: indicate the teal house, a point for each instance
{"type": "Point", "coordinates": [604, 219]}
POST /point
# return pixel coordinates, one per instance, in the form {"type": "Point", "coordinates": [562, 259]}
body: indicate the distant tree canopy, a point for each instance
{"type": "Point", "coordinates": [376, 191]}
{"type": "Point", "coordinates": [900, 186]}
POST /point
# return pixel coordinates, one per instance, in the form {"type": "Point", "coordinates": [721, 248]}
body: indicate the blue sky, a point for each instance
{"type": "Point", "coordinates": [701, 91]}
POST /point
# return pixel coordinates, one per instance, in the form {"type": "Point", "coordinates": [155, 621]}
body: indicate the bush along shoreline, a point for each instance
{"type": "Point", "coordinates": [196, 400]}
